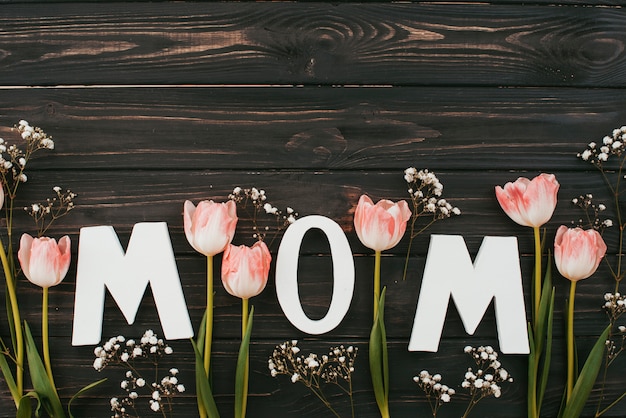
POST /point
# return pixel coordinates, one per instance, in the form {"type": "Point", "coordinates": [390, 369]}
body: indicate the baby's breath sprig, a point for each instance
{"type": "Point", "coordinates": [480, 382]}
{"type": "Point", "coordinates": [615, 348]}
{"type": "Point", "coordinates": [488, 377]}
{"type": "Point", "coordinates": [436, 392]}
{"type": "Point", "coordinates": [426, 191]}
{"type": "Point", "coordinates": [312, 371]}
{"type": "Point", "coordinates": [13, 159]}
{"type": "Point", "coordinates": [45, 213]}
{"type": "Point", "coordinates": [611, 149]}
{"type": "Point", "coordinates": [119, 350]}
{"type": "Point", "coordinates": [592, 213]}
{"type": "Point", "coordinates": [612, 145]}
{"type": "Point", "coordinates": [608, 156]}
{"type": "Point", "coordinates": [615, 306]}
{"type": "Point", "coordinates": [257, 198]}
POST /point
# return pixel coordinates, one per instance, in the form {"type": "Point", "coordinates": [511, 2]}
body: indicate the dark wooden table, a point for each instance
{"type": "Point", "coordinates": [151, 104]}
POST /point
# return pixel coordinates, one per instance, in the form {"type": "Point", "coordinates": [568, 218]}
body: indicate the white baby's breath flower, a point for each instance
{"type": "Point", "coordinates": [154, 405]}
{"type": "Point", "coordinates": [98, 363]}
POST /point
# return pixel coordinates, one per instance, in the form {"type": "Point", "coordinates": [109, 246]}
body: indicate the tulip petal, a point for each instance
{"type": "Point", "coordinates": [44, 262]}
{"type": "Point", "coordinates": [188, 212]}
{"type": "Point", "coordinates": [245, 270]}
{"type": "Point", "coordinates": [65, 258]}
{"type": "Point", "coordinates": [380, 226]}
{"type": "Point", "coordinates": [210, 226]}
{"type": "Point", "coordinates": [23, 254]}
{"type": "Point", "coordinates": [578, 252]}
{"type": "Point", "coordinates": [529, 202]}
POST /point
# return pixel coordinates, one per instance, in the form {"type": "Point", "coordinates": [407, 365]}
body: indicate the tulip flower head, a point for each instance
{"type": "Point", "coordinates": [529, 202]}
{"type": "Point", "coordinates": [577, 252]}
{"type": "Point", "coordinates": [44, 262]}
{"type": "Point", "coordinates": [210, 226]}
{"type": "Point", "coordinates": [381, 226]}
{"type": "Point", "coordinates": [245, 269]}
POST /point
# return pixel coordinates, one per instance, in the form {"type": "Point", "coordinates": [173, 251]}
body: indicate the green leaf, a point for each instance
{"type": "Point", "coordinates": [383, 341]}
{"type": "Point", "coordinates": [241, 376]}
{"type": "Point", "coordinates": [379, 360]}
{"type": "Point", "coordinates": [46, 392]}
{"type": "Point", "coordinates": [547, 356]}
{"type": "Point", "coordinates": [587, 378]}
{"type": "Point", "coordinates": [540, 336]}
{"type": "Point", "coordinates": [8, 375]}
{"type": "Point", "coordinates": [80, 392]}
{"type": "Point", "coordinates": [205, 396]}
{"type": "Point", "coordinates": [201, 333]}
{"type": "Point", "coordinates": [24, 408]}
{"type": "Point", "coordinates": [10, 319]}
{"type": "Point", "coordinates": [545, 307]}
{"type": "Point", "coordinates": [532, 373]}
{"type": "Point", "coordinates": [200, 345]}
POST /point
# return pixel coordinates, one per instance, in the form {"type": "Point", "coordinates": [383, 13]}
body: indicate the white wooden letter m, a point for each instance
{"type": "Point", "coordinates": [495, 274]}
{"type": "Point", "coordinates": [102, 264]}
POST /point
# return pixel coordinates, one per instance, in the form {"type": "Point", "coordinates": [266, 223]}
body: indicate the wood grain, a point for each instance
{"type": "Point", "coordinates": [153, 103]}
{"type": "Point", "coordinates": [264, 128]}
{"type": "Point", "coordinates": [312, 43]}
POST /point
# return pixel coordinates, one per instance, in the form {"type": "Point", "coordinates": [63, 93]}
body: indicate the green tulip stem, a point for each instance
{"type": "Point", "coordinates": [44, 336]}
{"type": "Point", "coordinates": [537, 290]}
{"type": "Point", "coordinates": [244, 327]}
{"type": "Point", "coordinates": [376, 283]}
{"type": "Point", "coordinates": [244, 317]}
{"type": "Point", "coordinates": [570, 339]}
{"type": "Point", "coordinates": [17, 324]}
{"type": "Point", "coordinates": [208, 334]}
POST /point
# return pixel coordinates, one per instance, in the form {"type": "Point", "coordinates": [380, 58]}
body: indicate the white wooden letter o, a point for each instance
{"type": "Point", "coordinates": [287, 274]}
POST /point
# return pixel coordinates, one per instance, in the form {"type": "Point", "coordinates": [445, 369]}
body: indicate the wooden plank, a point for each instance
{"type": "Point", "coordinates": [312, 43]}
{"type": "Point", "coordinates": [278, 396]}
{"type": "Point", "coordinates": [315, 284]}
{"type": "Point", "coordinates": [315, 128]}
{"type": "Point", "coordinates": [123, 198]}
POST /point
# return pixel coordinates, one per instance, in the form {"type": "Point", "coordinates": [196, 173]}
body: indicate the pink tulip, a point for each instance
{"type": "Point", "coordinates": [210, 226]}
{"type": "Point", "coordinates": [577, 252]}
{"type": "Point", "coordinates": [529, 202]}
{"type": "Point", "coordinates": [245, 269]}
{"type": "Point", "coordinates": [43, 262]}
{"type": "Point", "coordinates": [381, 226]}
